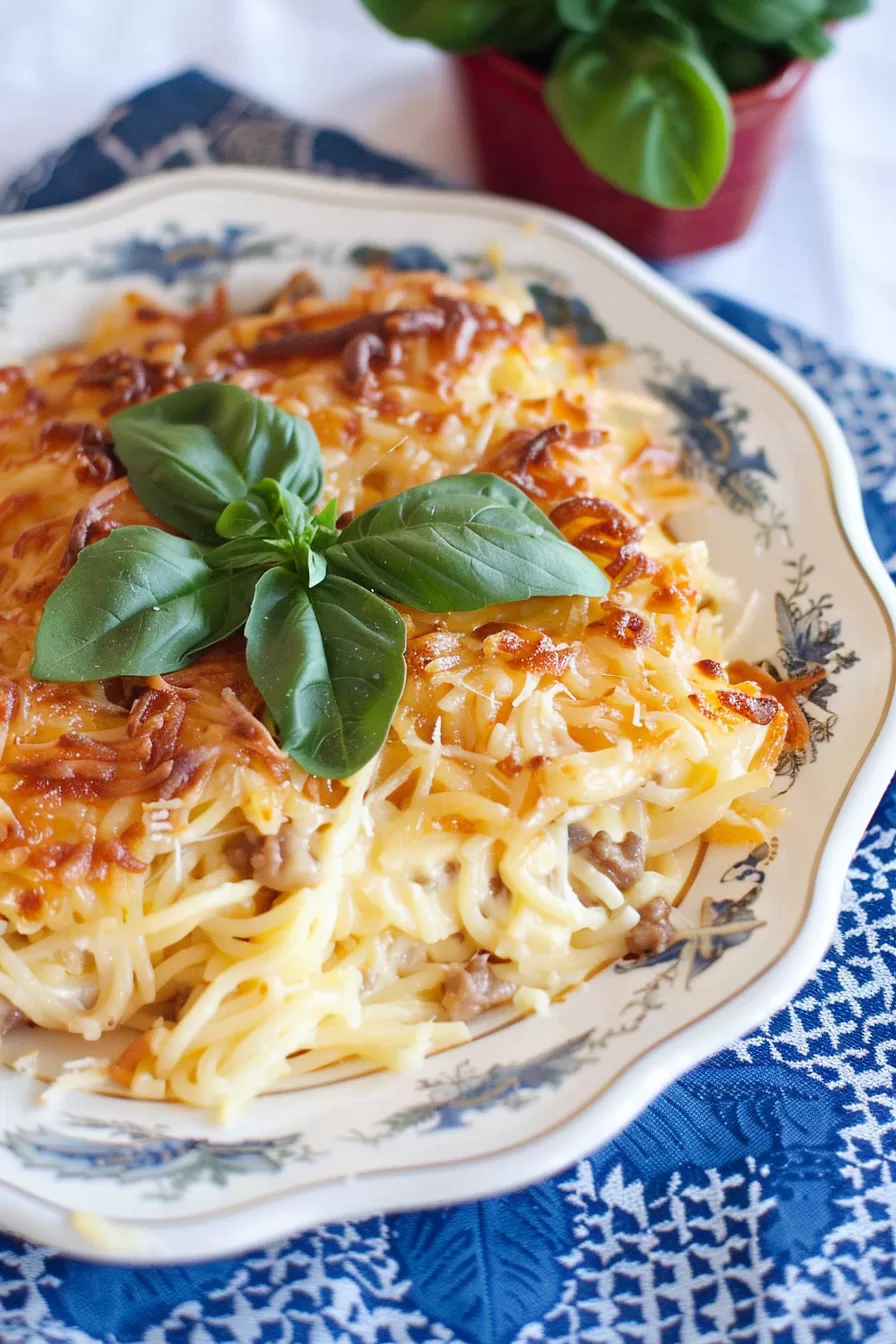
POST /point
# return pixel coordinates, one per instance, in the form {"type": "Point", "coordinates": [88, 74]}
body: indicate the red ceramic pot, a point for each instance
{"type": "Point", "coordinates": [522, 153]}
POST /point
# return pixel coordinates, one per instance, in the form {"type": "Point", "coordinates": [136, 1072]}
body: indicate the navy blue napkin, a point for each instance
{"type": "Point", "coordinates": [754, 1201]}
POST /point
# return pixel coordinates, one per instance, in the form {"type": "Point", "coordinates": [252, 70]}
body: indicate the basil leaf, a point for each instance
{"type": "Point", "coordinates": [640, 20]}
{"type": "Point", "coordinates": [741, 63]}
{"type": "Point", "coordinates": [177, 471]}
{"type": "Point", "coordinates": [330, 666]}
{"type": "Point", "coordinates": [460, 25]}
{"type": "Point", "coordinates": [585, 16]}
{"type": "Point", "coordinates": [525, 25]}
{"type": "Point", "coordinates": [766, 21]}
{"type": "Point", "coordinates": [317, 568]}
{"type": "Point", "coordinates": [287, 512]}
{"type": "Point", "coordinates": [484, 484]}
{"type": "Point", "coordinates": [461, 543]}
{"type": "Point", "coordinates": [323, 525]}
{"type": "Point", "coordinates": [810, 42]}
{"type": "Point", "coordinates": [464, 25]}
{"type": "Point", "coordinates": [190, 453]}
{"type": "Point", "coordinates": [250, 553]}
{"type": "Point", "coordinates": [137, 603]}
{"type": "Point", "coordinates": [650, 115]}
{"type": "Point", "coordinates": [326, 519]}
{"type": "Point", "coordinates": [488, 486]}
{"type": "Point", "coordinates": [243, 518]}
{"type": "Point", "coordinates": [845, 9]}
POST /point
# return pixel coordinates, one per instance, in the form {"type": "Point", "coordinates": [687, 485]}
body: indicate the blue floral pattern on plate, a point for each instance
{"type": "Point", "coordinates": [711, 430]}
{"type": "Point", "coordinates": [134, 1155]}
{"type": "Point", "coordinates": [170, 257]}
{"type": "Point", "coordinates": [452, 1098]}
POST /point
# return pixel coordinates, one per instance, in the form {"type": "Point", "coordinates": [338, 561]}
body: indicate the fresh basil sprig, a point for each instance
{"type": "Point", "coordinates": [323, 647]}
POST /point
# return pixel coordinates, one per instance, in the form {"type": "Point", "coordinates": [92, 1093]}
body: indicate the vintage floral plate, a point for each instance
{"type": "Point", "coordinates": [119, 1179]}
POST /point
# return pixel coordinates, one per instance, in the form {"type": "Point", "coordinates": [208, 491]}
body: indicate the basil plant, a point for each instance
{"type": "Point", "coordinates": [639, 88]}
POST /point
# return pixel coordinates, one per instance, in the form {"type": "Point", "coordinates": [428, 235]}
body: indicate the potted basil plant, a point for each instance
{"type": "Point", "coordinates": [656, 120]}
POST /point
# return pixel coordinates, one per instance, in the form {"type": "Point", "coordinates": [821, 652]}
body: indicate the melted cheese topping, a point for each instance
{"type": "Point", "coordinates": [163, 865]}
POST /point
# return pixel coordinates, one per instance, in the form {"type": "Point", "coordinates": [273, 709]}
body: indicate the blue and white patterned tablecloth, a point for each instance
{"type": "Point", "coordinates": [755, 1201]}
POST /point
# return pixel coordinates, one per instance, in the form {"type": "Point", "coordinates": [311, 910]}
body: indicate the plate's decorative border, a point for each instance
{"type": "Point", "coordinates": [711, 427]}
{"type": "Point", "coordinates": [173, 256]}
{"type": "Point", "coordinates": [451, 1099]}
{"type": "Point", "coordinates": [809, 639]}
{"type": "Point", "coordinates": [136, 1155]}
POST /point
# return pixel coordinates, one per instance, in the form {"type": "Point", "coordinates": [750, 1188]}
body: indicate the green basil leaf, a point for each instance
{"type": "Point", "coordinates": [640, 20]}
{"type": "Point", "coordinates": [526, 25]}
{"type": "Point", "coordinates": [810, 42]}
{"type": "Point", "coordinates": [243, 518]}
{"type": "Point", "coordinates": [461, 543]}
{"type": "Point", "coordinates": [317, 568]}
{"type": "Point", "coordinates": [330, 666]}
{"type": "Point", "coordinates": [250, 553]}
{"type": "Point", "coordinates": [651, 116]}
{"type": "Point", "coordinates": [741, 63]}
{"type": "Point", "coordinates": [488, 486]}
{"type": "Point", "coordinates": [845, 9]}
{"type": "Point", "coordinates": [137, 603]}
{"type": "Point", "coordinates": [584, 16]}
{"type": "Point", "coordinates": [308, 564]}
{"type": "Point", "coordinates": [177, 471]}
{"type": "Point", "coordinates": [289, 515]}
{"type": "Point", "coordinates": [484, 484]}
{"type": "Point", "coordinates": [465, 25]}
{"type": "Point", "coordinates": [326, 519]}
{"type": "Point", "coordinates": [766, 21]}
{"type": "Point", "coordinates": [323, 526]}
{"type": "Point", "coordinates": [461, 25]}
{"type": "Point", "coordinates": [190, 453]}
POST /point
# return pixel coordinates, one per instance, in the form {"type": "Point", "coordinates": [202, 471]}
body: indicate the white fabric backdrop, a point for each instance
{"type": "Point", "coordinates": [822, 252]}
